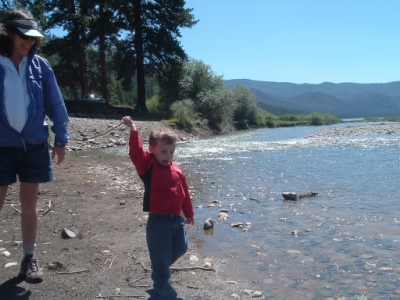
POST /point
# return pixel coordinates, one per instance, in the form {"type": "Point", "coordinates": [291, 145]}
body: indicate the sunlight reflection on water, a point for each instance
{"type": "Point", "coordinates": [348, 241]}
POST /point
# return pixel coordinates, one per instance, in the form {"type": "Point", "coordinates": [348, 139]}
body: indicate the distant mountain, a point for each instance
{"type": "Point", "coordinates": [346, 100]}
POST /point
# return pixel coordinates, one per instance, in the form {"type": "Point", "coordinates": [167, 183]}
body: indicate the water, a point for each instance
{"type": "Point", "coordinates": [348, 237]}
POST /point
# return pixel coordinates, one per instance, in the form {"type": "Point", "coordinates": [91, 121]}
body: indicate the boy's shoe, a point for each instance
{"type": "Point", "coordinates": [30, 270]}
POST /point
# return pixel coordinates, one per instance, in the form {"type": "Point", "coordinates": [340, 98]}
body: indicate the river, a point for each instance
{"type": "Point", "coordinates": [342, 244]}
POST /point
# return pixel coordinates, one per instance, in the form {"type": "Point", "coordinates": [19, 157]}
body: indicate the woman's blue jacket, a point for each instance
{"type": "Point", "coordinates": [46, 100]}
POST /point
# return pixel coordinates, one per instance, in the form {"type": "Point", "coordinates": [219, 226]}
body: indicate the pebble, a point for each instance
{"type": "Point", "coordinates": [10, 264]}
{"type": "Point", "coordinates": [256, 294]}
{"type": "Point", "coordinates": [193, 258]}
{"type": "Point", "coordinates": [67, 234]}
{"type": "Point", "coordinates": [5, 253]}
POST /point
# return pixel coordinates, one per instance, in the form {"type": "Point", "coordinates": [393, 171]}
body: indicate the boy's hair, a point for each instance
{"type": "Point", "coordinates": [163, 134]}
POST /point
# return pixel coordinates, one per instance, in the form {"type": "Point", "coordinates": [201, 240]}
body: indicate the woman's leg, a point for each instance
{"type": "Point", "coordinates": [29, 267]}
{"type": "Point", "coordinates": [29, 219]}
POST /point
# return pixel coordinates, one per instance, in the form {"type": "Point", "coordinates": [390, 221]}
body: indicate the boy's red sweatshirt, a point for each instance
{"type": "Point", "coordinates": [166, 190]}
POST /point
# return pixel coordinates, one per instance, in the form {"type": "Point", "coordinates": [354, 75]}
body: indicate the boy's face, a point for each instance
{"type": "Point", "coordinates": [163, 153]}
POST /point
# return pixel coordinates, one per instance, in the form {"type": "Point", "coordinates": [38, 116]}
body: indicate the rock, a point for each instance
{"type": "Point", "coordinates": [237, 224]}
{"type": "Point", "coordinates": [223, 216]}
{"type": "Point", "coordinates": [193, 258]}
{"type": "Point", "coordinates": [67, 234]}
{"type": "Point", "coordinates": [208, 224]}
{"type": "Point", "coordinates": [5, 253]}
{"type": "Point", "coordinates": [289, 196]}
{"type": "Point", "coordinates": [293, 251]}
{"type": "Point", "coordinates": [256, 294]}
{"type": "Point", "coordinates": [296, 232]}
{"type": "Point", "coordinates": [10, 264]}
{"type": "Point", "coordinates": [282, 219]}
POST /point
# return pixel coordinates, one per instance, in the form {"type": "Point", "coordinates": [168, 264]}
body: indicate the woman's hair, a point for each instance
{"type": "Point", "coordinates": [6, 43]}
{"type": "Point", "coordinates": [163, 134]}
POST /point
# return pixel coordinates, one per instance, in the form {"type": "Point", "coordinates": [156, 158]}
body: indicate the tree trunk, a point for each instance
{"type": "Point", "coordinates": [103, 63]}
{"type": "Point", "coordinates": [140, 73]}
{"type": "Point", "coordinates": [82, 69]}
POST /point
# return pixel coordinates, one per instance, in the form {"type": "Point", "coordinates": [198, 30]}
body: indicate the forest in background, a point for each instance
{"type": "Point", "coordinates": [129, 53]}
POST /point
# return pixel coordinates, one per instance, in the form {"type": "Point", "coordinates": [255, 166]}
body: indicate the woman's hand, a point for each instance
{"type": "Point", "coordinates": [60, 152]}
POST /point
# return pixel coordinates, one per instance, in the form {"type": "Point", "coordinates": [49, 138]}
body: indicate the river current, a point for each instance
{"type": "Point", "coordinates": [343, 243]}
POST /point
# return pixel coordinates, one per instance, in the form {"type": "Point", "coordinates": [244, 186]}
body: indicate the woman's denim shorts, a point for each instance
{"type": "Point", "coordinates": [32, 164]}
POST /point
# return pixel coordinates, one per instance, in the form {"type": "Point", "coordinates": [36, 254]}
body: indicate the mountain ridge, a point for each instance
{"type": "Point", "coordinates": [346, 100]}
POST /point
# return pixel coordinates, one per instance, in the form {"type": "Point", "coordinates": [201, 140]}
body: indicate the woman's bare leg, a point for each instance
{"type": "Point", "coordinates": [29, 219]}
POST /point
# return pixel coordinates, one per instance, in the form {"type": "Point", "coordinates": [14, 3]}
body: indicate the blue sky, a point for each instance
{"type": "Point", "coordinates": [299, 41]}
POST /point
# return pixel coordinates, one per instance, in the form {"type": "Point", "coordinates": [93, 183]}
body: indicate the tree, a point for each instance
{"type": "Point", "coordinates": [151, 43]}
{"type": "Point", "coordinates": [197, 78]}
{"type": "Point", "coordinates": [246, 107]}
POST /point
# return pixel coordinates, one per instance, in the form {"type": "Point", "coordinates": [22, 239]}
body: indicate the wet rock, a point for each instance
{"type": "Point", "coordinates": [237, 224]}
{"type": "Point", "coordinates": [223, 216]}
{"type": "Point", "coordinates": [296, 232]}
{"type": "Point", "coordinates": [208, 224]}
{"type": "Point", "coordinates": [289, 196]}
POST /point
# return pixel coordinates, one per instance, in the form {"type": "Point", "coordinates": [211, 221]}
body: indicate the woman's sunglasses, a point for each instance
{"type": "Point", "coordinates": [25, 37]}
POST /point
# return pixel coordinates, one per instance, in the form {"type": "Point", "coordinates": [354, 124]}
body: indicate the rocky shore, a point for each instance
{"type": "Point", "coordinates": [91, 236]}
{"type": "Point", "coordinates": [88, 133]}
{"type": "Point", "coordinates": [378, 128]}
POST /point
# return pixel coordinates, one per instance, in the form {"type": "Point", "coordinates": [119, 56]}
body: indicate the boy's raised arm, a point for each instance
{"type": "Point", "coordinates": [127, 120]}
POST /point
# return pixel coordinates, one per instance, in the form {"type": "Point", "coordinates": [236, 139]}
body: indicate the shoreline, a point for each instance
{"type": "Point", "coordinates": [99, 199]}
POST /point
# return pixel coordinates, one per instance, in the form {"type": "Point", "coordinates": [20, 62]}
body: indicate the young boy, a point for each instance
{"type": "Point", "coordinates": [166, 194]}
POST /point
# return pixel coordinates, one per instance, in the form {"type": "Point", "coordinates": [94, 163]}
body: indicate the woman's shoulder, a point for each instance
{"type": "Point", "coordinates": [40, 63]}
{"type": "Point", "coordinates": [40, 59]}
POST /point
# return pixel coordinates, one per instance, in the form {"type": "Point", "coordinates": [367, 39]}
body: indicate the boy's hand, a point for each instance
{"type": "Point", "coordinates": [128, 122]}
{"type": "Point", "coordinates": [189, 221]}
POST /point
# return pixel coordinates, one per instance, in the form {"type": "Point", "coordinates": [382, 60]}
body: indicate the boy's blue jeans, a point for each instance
{"type": "Point", "coordinates": [166, 241]}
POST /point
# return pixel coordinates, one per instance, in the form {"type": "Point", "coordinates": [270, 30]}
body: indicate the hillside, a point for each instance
{"type": "Point", "coordinates": [346, 100]}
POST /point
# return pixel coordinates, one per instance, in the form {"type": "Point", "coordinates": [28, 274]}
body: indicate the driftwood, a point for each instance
{"type": "Point", "coordinates": [182, 269]}
{"type": "Point", "coordinates": [121, 296]}
{"type": "Point", "coordinates": [74, 272]}
{"type": "Point", "coordinates": [293, 196]}
{"type": "Point", "coordinates": [309, 194]}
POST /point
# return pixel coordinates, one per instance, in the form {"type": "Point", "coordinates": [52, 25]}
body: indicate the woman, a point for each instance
{"type": "Point", "coordinates": [28, 92]}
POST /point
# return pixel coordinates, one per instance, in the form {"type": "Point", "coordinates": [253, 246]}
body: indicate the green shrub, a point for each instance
{"type": "Point", "coordinates": [185, 115]}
